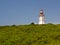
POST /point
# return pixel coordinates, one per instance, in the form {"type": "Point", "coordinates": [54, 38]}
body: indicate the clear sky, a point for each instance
{"type": "Point", "coordinates": [27, 11]}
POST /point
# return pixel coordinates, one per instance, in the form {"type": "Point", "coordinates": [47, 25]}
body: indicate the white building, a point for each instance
{"type": "Point", "coordinates": [41, 17]}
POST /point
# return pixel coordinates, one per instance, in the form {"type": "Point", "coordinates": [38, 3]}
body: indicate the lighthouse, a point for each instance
{"type": "Point", "coordinates": [41, 17]}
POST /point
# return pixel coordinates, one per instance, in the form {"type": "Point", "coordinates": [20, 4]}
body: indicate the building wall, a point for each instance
{"type": "Point", "coordinates": [41, 20]}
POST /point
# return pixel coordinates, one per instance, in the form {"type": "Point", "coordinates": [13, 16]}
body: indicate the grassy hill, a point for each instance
{"type": "Point", "coordinates": [47, 34]}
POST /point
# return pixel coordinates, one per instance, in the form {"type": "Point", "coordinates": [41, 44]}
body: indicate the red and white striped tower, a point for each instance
{"type": "Point", "coordinates": [41, 17]}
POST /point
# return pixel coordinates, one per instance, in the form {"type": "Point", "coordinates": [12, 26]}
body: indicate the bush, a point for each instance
{"type": "Point", "coordinates": [32, 23]}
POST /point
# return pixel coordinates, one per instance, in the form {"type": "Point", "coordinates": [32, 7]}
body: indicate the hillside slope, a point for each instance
{"type": "Point", "coordinates": [48, 34]}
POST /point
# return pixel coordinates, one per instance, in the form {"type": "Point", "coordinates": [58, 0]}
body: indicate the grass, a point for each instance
{"type": "Point", "coordinates": [47, 34]}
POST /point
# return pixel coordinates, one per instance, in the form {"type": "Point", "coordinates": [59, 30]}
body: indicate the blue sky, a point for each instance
{"type": "Point", "coordinates": [26, 11]}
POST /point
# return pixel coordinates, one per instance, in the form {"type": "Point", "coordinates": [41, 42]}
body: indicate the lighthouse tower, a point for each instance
{"type": "Point", "coordinates": [41, 17]}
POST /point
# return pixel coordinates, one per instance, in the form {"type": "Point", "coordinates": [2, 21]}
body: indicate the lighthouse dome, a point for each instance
{"type": "Point", "coordinates": [41, 11]}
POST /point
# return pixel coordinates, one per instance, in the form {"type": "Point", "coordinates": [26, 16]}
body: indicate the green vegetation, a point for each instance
{"type": "Point", "coordinates": [47, 34]}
